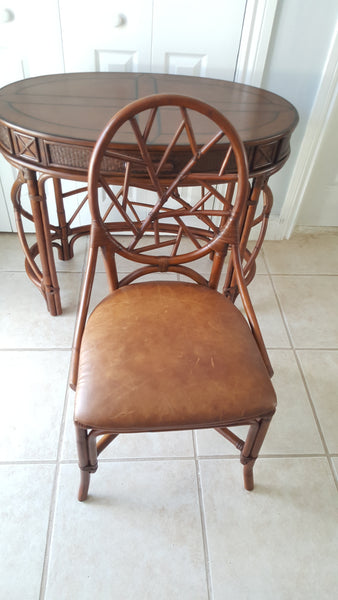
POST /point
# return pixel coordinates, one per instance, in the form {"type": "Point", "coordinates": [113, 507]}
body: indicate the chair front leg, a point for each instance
{"type": "Point", "coordinates": [252, 446]}
{"type": "Point", "coordinates": [86, 447]}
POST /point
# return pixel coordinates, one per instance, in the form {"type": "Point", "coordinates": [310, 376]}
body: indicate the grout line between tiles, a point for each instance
{"type": "Point", "coordinates": [45, 568]}
{"type": "Point", "coordinates": [302, 274]}
{"type": "Point", "coordinates": [316, 418]}
{"type": "Point", "coordinates": [261, 455]}
{"type": "Point", "coordinates": [47, 349]}
{"type": "Point", "coordinates": [306, 387]}
{"type": "Point", "coordinates": [73, 461]}
{"type": "Point", "coordinates": [203, 520]}
{"type": "Point", "coordinates": [59, 272]}
{"type": "Point", "coordinates": [49, 534]}
{"type": "Point", "coordinates": [333, 470]}
{"type": "Point", "coordinates": [51, 520]}
{"type": "Point", "coordinates": [28, 462]}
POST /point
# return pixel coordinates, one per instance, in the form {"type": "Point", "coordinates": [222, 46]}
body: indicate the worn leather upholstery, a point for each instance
{"type": "Point", "coordinates": [169, 355]}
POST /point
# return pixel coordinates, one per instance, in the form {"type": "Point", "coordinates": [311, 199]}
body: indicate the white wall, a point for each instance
{"type": "Point", "coordinates": [298, 49]}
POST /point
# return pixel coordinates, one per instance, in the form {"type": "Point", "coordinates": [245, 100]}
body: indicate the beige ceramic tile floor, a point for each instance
{"type": "Point", "coordinates": [167, 515]}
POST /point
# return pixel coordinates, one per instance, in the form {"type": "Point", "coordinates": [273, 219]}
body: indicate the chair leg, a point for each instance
{"type": "Point", "coordinates": [248, 476]}
{"type": "Point", "coordinates": [84, 486]}
{"type": "Point", "coordinates": [88, 451]}
{"type": "Point", "coordinates": [86, 447]}
{"type": "Point", "coordinates": [252, 446]}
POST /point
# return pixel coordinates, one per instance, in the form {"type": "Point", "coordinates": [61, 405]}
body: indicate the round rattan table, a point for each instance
{"type": "Point", "coordinates": [49, 125]}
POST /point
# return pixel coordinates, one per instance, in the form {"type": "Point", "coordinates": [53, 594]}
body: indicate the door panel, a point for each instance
{"type": "Point", "coordinates": [30, 41]}
{"type": "Point", "coordinates": [116, 60]}
{"type": "Point", "coordinates": [30, 45]}
{"type": "Point", "coordinates": [197, 38]}
{"type": "Point", "coordinates": [185, 63]}
{"type": "Point", "coordinates": [106, 35]}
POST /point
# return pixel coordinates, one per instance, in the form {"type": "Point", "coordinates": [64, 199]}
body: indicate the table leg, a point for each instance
{"type": "Point", "coordinates": [46, 278]}
{"type": "Point", "coordinates": [65, 250]}
{"type": "Point", "coordinates": [259, 187]}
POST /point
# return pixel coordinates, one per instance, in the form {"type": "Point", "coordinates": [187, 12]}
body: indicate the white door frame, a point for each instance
{"type": "Point", "coordinates": [256, 34]}
{"type": "Point", "coordinates": [312, 139]}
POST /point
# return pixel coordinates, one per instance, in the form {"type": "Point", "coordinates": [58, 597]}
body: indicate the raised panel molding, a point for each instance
{"type": "Point", "coordinates": [26, 146]}
{"type": "Point", "coordinates": [180, 63]}
{"type": "Point", "coordinates": [116, 60]}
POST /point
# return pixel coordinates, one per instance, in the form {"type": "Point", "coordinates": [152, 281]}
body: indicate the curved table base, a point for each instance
{"type": "Point", "coordinates": [46, 278]}
{"type": "Point", "coordinates": [64, 235]}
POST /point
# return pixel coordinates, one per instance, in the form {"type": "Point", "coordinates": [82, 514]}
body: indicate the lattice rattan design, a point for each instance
{"type": "Point", "coordinates": [184, 203]}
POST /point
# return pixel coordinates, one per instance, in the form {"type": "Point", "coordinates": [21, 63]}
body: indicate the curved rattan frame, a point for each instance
{"type": "Point", "coordinates": [226, 128]}
{"type": "Point", "coordinates": [216, 244]}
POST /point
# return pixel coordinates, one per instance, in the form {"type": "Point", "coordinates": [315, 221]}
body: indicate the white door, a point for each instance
{"type": "Point", "coordinates": [191, 37]}
{"type": "Point", "coordinates": [30, 45]}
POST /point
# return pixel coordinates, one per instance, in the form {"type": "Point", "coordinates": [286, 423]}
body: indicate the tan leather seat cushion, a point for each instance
{"type": "Point", "coordinates": [169, 355]}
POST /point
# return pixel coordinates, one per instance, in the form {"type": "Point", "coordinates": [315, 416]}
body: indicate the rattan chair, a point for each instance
{"type": "Point", "coordinates": [159, 354]}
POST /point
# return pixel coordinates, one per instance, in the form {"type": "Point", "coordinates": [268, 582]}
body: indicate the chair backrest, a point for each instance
{"type": "Point", "coordinates": [169, 144]}
{"type": "Point", "coordinates": [173, 167]}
